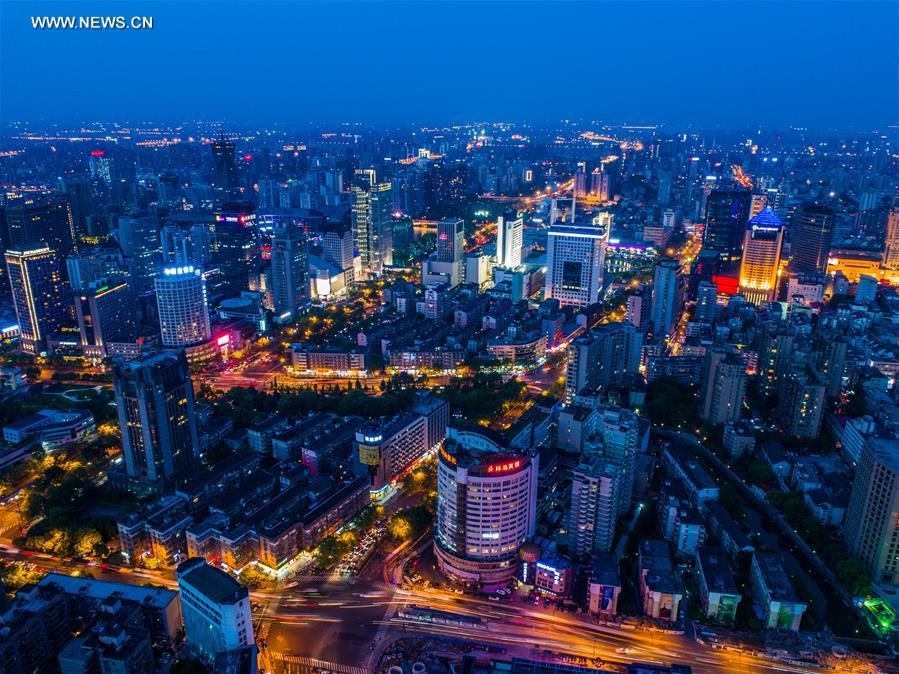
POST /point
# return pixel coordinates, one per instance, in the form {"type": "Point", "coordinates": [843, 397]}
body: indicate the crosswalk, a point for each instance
{"type": "Point", "coordinates": [309, 664]}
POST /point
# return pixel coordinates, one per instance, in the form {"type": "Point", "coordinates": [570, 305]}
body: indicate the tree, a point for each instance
{"type": "Point", "coordinates": [87, 542]}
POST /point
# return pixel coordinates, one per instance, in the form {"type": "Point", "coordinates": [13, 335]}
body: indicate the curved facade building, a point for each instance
{"type": "Point", "coordinates": [183, 307]}
{"type": "Point", "coordinates": [486, 509]}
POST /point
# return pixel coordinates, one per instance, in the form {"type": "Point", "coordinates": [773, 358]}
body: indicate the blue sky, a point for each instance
{"type": "Point", "coordinates": [815, 64]}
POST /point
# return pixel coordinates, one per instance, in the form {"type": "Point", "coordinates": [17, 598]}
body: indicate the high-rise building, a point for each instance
{"type": "Point", "coordinates": [639, 309]}
{"type": "Point", "coordinates": [706, 301]}
{"type": "Point", "coordinates": [94, 265]}
{"type": "Point", "coordinates": [727, 212]}
{"type": "Point", "coordinates": [445, 265]}
{"type": "Point", "coordinates": [872, 527]}
{"type": "Point", "coordinates": [761, 257]}
{"type": "Point", "coordinates": [29, 219]}
{"type": "Point", "coordinates": [157, 418]}
{"type": "Point", "coordinates": [186, 245]}
{"type": "Point", "coordinates": [486, 508]}
{"type": "Point", "coordinates": [337, 244]}
{"type": "Point", "coordinates": [372, 221]}
{"type": "Point", "coordinates": [183, 306]}
{"type": "Point", "coordinates": [723, 385]}
{"type": "Point", "coordinates": [603, 357]}
{"type": "Point", "coordinates": [105, 312]}
{"type": "Point", "coordinates": [574, 263]}
{"type": "Point", "coordinates": [37, 292]}
{"type": "Point", "coordinates": [833, 362]}
{"type": "Point", "coordinates": [801, 403]}
{"type": "Point", "coordinates": [775, 354]}
{"type": "Point", "coordinates": [215, 609]}
{"type": "Point", "coordinates": [509, 232]}
{"type": "Point", "coordinates": [665, 297]}
{"type": "Point", "coordinates": [812, 236]}
{"type": "Point", "coordinates": [891, 242]}
{"type": "Point", "coordinates": [224, 167]}
{"type": "Point", "coordinates": [290, 273]}
{"type": "Point", "coordinates": [139, 240]}
{"type": "Point", "coordinates": [622, 435]}
{"type": "Point", "coordinates": [594, 506]}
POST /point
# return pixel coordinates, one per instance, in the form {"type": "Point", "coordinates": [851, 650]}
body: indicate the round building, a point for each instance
{"type": "Point", "coordinates": [486, 508]}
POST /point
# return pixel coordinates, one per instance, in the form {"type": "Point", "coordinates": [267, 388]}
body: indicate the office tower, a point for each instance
{"type": "Point", "coordinates": [139, 240]}
{"type": "Point", "coordinates": [759, 201]}
{"type": "Point", "coordinates": [574, 263]}
{"type": "Point", "coordinates": [105, 312]}
{"type": "Point", "coordinates": [665, 297]}
{"type": "Point", "coordinates": [38, 294]}
{"type": "Point", "coordinates": [761, 257]}
{"type": "Point", "coordinates": [605, 356]}
{"type": "Point", "coordinates": [445, 265]}
{"type": "Point", "coordinates": [872, 527]}
{"type": "Point", "coordinates": [800, 406]}
{"type": "Point", "coordinates": [337, 244]}
{"type": "Point", "coordinates": [509, 232]}
{"type": "Point", "coordinates": [183, 306]}
{"type": "Point", "coordinates": [372, 221]}
{"type": "Point", "coordinates": [723, 385]}
{"type": "Point", "coordinates": [155, 403]}
{"type": "Point", "coordinates": [29, 219]}
{"type": "Point", "coordinates": [775, 354]}
{"type": "Point", "coordinates": [727, 212]}
{"type": "Point", "coordinates": [812, 236]}
{"type": "Point", "coordinates": [215, 609]}
{"type": "Point", "coordinates": [290, 276]}
{"type": "Point", "coordinates": [891, 242]}
{"type": "Point", "coordinates": [594, 506]}
{"type": "Point", "coordinates": [706, 302]}
{"type": "Point", "coordinates": [94, 265]}
{"type": "Point", "coordinates": [224, 167]}
{"type": "Point", "coordinates": [486, 508]}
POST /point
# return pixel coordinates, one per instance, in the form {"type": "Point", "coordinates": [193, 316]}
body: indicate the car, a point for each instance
{"type": "Point", "coordinates": [493, 597]}
{"type": "Point", "coordinates": [623, 650]}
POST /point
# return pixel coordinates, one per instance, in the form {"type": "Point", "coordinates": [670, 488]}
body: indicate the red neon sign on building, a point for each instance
{"type": "Point", "coordinates": [496, 468]}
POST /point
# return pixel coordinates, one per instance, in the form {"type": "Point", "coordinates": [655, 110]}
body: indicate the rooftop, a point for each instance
{"type": "Point", "coordinates": [215, 585]}
{"type": "Point", "coordinates": [101, 589]}
{"type": "Point", "coordinates": [716, 571]}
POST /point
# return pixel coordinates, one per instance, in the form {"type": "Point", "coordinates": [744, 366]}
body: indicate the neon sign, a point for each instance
{"type": "Point", "coordinates": [496, 468]}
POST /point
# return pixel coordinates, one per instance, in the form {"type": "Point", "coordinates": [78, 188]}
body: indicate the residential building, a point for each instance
{"type": "Point", "coordinates": [718, 592]}
{"type": "Point", "coordinates": [781, 606]}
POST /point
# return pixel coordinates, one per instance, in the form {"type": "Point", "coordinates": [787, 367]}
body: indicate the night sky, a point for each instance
{"type": "Point", "coordinates": [814, 64]}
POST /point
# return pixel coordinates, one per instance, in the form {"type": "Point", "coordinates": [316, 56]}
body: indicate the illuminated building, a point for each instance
{"type": "Point", "coordinates": [660, 587]}
{"type": "Point", "coordinates": [509, 232]}
{"type": "Point", "coordinates": [665, 297]}
{"type": "Point", "coordinates": [575, 259]}
{"type": "Point", "coordinates": [224, 167]}
{"type": "Point", "coordinates": [138, 238]}
{"type": "Point", "coordinates": [387, 448]}
{"type": "Point", "coordinates": [445, 265]}
{"type": "Point", "coordinates": [191, 245]}
{"type": "Point", "coordinates": [727, 212]}
{"type": "Point", "coordinates": [486, 509]}
{"type": "Point", "coordinates": [290, 274]}
{"type": "Point", "coordinates": [603, 357]}
{"type": "Point", "coordinates": [594, 506]}
{"type": "Point", "coordinates": [105, 312]}
{"type": "Point", "coordinates": [761, 257]}
{"type": "Point", "coordinates": [891, 241]}
{"type": "Point", "coordinates": [182, 305]}
{"type": "Point", "coordinates": [93, 265]}
{"type": "Point", "coordinates": [872, 528]}
{"type": "Point", "coordinates": [775, 354]}
{"type": "Point", "coordinates": [706, 302]}
{"type": "Point", "coordinates": [337, 245]}
{"type": "Point", "coordinates": [372, 221]}
{"type": "Point", "coordinates": [723, 386]}
{"type": "Point", "coordinates": [623, 257]}
{"type": "Point", "coordinates": [27, 219]}
{"type": "Point", "coordinates": [157, 418]}
{"type": "Point", "coordinates": [215, 609]}
{"type": "Point", "coordinates": [801, 404]}
{"type": "Point", "coordinates": [37, 292]}
{"type": "Point", "coordinates": [812, 236]}
{"type": "Point", "coordinates": [853, 264]}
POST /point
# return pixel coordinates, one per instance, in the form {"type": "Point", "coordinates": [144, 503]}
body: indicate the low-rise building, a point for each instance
{"type": "Point", "coordinates": [660, 587]}
{"type": "Point", "coordinates": [739, 438]}
{"type": "Point", "coordinates": [771, 586]}
{"type": "Point", "coordinates": [603, 584]}
{"type": "Point", "coordinates": [718, 591]}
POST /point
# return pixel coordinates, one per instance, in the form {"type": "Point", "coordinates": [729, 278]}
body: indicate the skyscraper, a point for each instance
{"type": "Point", "coordinates": [574, 263]}
{"type": "Point", "coordinates": [723, 385]}
{"type": "Point", "coordinates": [872, 528]}
{"type": "Point", "coordinates": [215, 609]}
{"type": "Point", "coordinates": [183, 306]}
{"type": "Point", "coordinates": [761, 257]}
{"type": "Point", "coordinates": [594, 506]}
{"type": "Point", "coordinates": [509, 231]}
{"type": "Point", "coordinates": [372, 221]}
{"type": "Point", "coordinates": [37, 292]}
{"type": "Point", "coordinates": [337, 244]}
{"type": "Point", "coordinates": [727, 212]}
{"type": "Point", "coordinates": [445, 265]}
{"type": "Point", "coordinates": [665, 296]}
{"type": "Point", "coordinates": [812, 236]}
{"type": "Point", "coordinates": [486, 508]}
{"type": "Point", "coordinates": [105, 312]}
{"type": "Point", "coordinates": [224, 167]}
{"type": "Point", "coordinates": [139, 240]}
{"type": "Point", "coordinates": [775, 353]}
{"type": "Point", "coordinates": [290, 276]}
{"type": "Point", "coordinates": [891, 242]}
{"type": "Point", "coordinates": [155, 403]}
{"type": "Point", "coordinates": [29, 219]}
